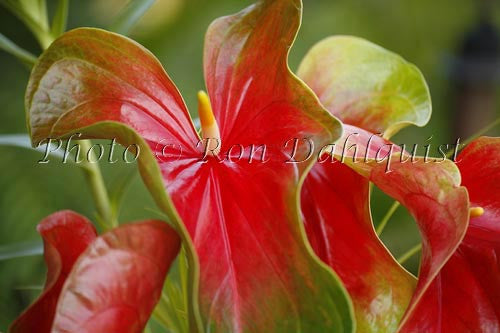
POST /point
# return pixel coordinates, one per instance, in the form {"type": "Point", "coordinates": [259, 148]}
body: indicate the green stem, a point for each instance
{"type": "Point", "coordinates": [148, 329]}
{"type": "Point", "coordinates": [476, 135]}
{"type": "Point", "coordinates": [38, 25]}
{"type": "Point", "coordinates": [387, 217]}
{"type": "Point", "coordinates": [8, 46]}
{"type": "Point", "coordinates": [44, 38]}
{"type": "Point", "coordinates": [93, 174]}
{"type": "Point", "coordinates": [98, 188]}
{"type": "Point", "coordinates": [396, 204]}
{"type": "Point", "coordinates": [410, 253]}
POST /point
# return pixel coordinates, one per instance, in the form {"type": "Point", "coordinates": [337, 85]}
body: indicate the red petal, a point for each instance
{"type": "Point", "coordinates": [117, 281]}
{"type": "Point", "coordinates": [256, 272]}
{"type": "Point", "coordinates": [429, 191]}
{"type": "Point", "coordinates": [95, 75]}
{"type": "Point", "coordinates": [466, 295]}
{"type": "Point", "coordinates": [102, 84]}
{"type": "Point", "coordinates": [338, 222]}
{"type": "Point", "coordinates": [335, 205]}
{"type": "Point", "coordinates": [255, 97]}
{"type": "Point", "coordinates": [66, 235]}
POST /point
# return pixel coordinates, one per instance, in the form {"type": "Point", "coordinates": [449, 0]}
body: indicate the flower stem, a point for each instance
{"type": "Point", "coordinates": [147, 329]}
{"type": "Point", "coordinates": [387, 217]}
{"type": "Point", "coordinates": [410, 253]}
{"type": "Point", "coordinates": [105, 216]}
{"type": "Point", "coordinates": [98, 188]}
{"type": "Point", "coordinates": [8, 46]}
{"type": "Point", "coordinates": [396, 204]}
{"type": "Point", "coordinates": [476, 135]}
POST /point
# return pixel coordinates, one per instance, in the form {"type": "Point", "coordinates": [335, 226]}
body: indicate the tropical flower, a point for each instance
{"type": "Point", "coordinates": [233, 193]}
{"type": "Point", "coordinates": [109, 283]}
{"type": "Point", "coordinates": [335, 199]}
{"type": "Point", "coordinates": [239, 218]}
{"type": "Point", "coordinates": [465, 296]}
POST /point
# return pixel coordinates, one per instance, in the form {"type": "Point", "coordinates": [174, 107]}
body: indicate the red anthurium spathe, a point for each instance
{"type": "Point", "coordinates": [115, 284]}
{"type": "Point", "coordinates": [241, 215]}
{"type": "Point", "coordinates": [430, 192]}
{"type": "Point", "coordinates": [459, 278]}
{"type": "Point", "coordinates": [375, 91]}
{"type": "Point", "coordinates": [66, 235]}
{"type": "Point", "coordinates": [366, 86]}
{"type": "Point", "coordinates": [433, 195]}
{"type": "Point", "coordinates": [108, 284]}
{"type": "Point", "coordinates": [465, 297]}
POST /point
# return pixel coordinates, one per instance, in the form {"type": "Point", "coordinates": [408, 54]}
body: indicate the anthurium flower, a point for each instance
{"type": "Point", "coordinates": [458, 286]}
{"type": "Point", "coordinates": [66, 235]}
{"type": "Point", "coordinates": [240, 216]}
{"type": "Point", "coordinates": [440, 206]}
{"type": "Point", "coordinates": [465, 296]}
{"type": "Point", "coordinates": [377, 92]}
{"type": "Point", "coordinates": [96, 284]}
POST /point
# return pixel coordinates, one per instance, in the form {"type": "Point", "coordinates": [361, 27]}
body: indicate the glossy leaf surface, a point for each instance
{"type": "Point", "coordinates": [374, 91]}
{"type": "Point", "coordinates": [465, 297]}
{"type": "Point", "coordinates": [117, 281]}
{"type": "Point", "coordinates": [256, 272]}
{"type": "Point", "coordinates": [66, 235]}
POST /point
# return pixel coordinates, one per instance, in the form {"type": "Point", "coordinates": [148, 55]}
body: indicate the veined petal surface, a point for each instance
{"type": "Point", "coordinates": [375, 93]}
{"type": "Point", "coordinates": [465, 297]}
{"type": "Point", "coordinates": [257, 272]}
{"type": "Point", "coordinates": [66, 235]}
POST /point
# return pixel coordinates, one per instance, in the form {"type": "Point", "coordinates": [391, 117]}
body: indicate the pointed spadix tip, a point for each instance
{"type": "Point", "coordinates": [209, 127]}
{"type": "Point", "coordinates": [476, 211]}
{"type": "Point", "coordinates": [205, 110]}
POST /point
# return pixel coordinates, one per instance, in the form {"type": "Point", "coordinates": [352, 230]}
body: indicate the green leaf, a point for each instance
{"type": "Point", "coordinates": [10, 47]}
{"type": "Point", "coordinates": [18, 140]}
{"type": "Point", "coordinates": [172, 309]}
{"type": "Point", "coordinates": [118, 189]}
{"type": "Point", "coordinates": [60, 18]}
{"type": "Point", "coordinates": [19, 250]}
{"type": "Point", "coordinates": [33, 13]}
{"type": "Point", "coordinates": [23, 141]}
{"type": "Point", "coordinates": [129, 16]}
{"type": "Point", "coordinates": [40, 11]}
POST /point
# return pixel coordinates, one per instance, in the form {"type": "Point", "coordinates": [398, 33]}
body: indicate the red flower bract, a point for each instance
{"type": "Point", "coordinates": [335, 199]}
{"type": "Point", "coordinates": [458, 283]}
{"type": "Point", "coordinates": [102, 284]}
{"type": "Point", "coordinates": [66, 235]}
{"type": "Point", "coordinates": [251, 267]}
{"type": "Point", "coordinates": [465, 296]}
{"type": "Point", "coordinates": [257, 273]}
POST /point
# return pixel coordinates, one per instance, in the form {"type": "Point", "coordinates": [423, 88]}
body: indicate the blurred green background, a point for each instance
{"type": "Point", "coordinates": [455, 43]}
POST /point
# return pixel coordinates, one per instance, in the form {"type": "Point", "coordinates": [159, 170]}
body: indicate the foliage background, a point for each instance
{"type": "Point", "coordinates": [428, 33]}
